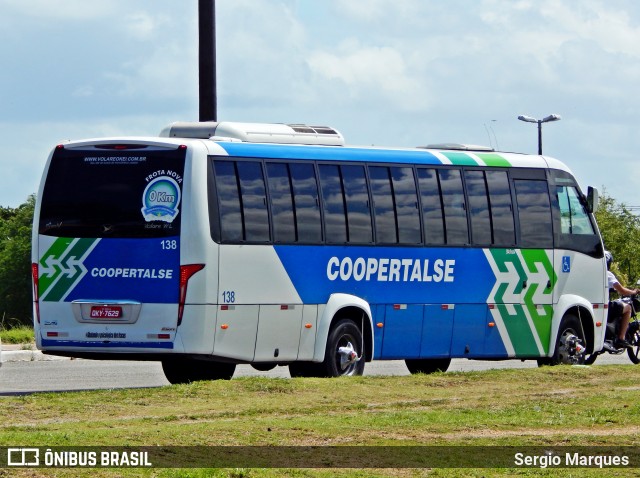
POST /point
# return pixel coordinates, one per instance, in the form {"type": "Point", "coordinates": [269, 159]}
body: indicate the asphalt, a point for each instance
{"type": "Point", "coordinates": [24, 353]}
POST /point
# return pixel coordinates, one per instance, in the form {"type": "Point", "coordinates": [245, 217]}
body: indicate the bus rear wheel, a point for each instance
{"type": "Point", "coordinates": [187, 370]}
{"type": "Point", "coordinates": [306, 369]}
{"type": "Point", "coordinates": [428, 365]}
{"type": "Point", "coordinates": [344, 355]}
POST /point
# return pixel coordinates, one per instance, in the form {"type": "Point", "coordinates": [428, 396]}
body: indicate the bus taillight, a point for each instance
{"type": "Point", "coordinates": [186, 272]}
{"type": "Point", "coordinates": [34, 276]}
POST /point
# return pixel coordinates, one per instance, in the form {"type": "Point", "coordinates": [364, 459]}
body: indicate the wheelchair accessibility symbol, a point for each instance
{"type": "Point", "coordinates": [566, 264]}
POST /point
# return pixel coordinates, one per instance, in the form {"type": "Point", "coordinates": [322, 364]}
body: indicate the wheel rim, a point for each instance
{"type": "Point", "coordinates": [565, 354]}
{"type": "Point", "coordinates": [346, 357]}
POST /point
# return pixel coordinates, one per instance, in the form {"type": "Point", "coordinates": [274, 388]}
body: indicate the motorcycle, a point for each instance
{"type": "Point", "coordinates": [632, 336]}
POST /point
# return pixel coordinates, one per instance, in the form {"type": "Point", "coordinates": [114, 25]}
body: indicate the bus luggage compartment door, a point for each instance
{"type": "Point", "coordinates": [236, 331]}
{"type": "Point", "coordinates": [402, 331]}
{"type": "Point", "coordinates": [278, 335]}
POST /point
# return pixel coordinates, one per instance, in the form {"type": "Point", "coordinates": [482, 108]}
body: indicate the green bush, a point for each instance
{"type": "Point", "coordinates": [17, 335]}
{"type": "Point", "coordinates": [620, 230]}
{"type": "Point", "coordinates": [15, 264]}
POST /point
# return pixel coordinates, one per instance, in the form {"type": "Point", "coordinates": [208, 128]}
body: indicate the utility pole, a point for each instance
{"type": "Point", "coordinates": [207, 60]}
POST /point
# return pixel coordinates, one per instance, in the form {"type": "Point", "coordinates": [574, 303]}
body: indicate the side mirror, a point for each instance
{"type": "Point", "coordinates": [593, 199]}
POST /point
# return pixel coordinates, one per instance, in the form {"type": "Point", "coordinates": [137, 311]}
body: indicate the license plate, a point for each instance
{"type": "Point", "coordinates": [106, 312]}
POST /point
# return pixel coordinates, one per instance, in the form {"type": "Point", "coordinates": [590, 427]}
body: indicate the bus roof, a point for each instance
{"type": "Point", "coordinates": [388, 155]}
{"type": "Point", "coordinates": [294, 141]}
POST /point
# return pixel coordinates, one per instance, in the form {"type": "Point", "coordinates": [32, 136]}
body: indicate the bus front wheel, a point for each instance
{"type": "Point", "coordinates": [187, 370]}
{"type": "Point", "coordinates": [565, 351]}
{"type": "Point", "coordinates": [428, 365]}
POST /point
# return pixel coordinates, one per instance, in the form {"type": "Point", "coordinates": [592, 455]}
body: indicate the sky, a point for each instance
{"type": "Point", "coordinates": [383, 72]}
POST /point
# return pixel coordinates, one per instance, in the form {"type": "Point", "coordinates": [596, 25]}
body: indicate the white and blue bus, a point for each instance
{"type": "Point", "coordinates": [219, 244]}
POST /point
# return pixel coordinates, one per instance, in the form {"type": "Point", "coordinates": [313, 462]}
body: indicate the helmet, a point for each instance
{"type": "Point", "coordinates": [609, 257]}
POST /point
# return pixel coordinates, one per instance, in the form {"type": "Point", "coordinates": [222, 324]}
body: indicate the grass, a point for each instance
{"type": "Point", "coordinates": [17, 335]}
{"type": "Point", "coordinates": [550, 406]}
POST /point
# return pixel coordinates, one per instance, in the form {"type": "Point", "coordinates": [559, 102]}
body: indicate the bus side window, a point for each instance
{"type": "Point", "coordinates": [229, 206]}
{"type": "Point", "coordinates": [431, 200]}
{"type": "Point", "coordinates": [504, 233]}
{"type": "Point", "coordinates": [455, 214]}
{"type": "Point", "coordinates": [406, 202]}
{"type": "Point", "coordinates": [356, 193]}
{"type": "Point", "coordinates": [481, 232]}
{"type": "Point", "coordinates": [573, 215]}
{"type": "Point", "coordinates": [384, 210]}
{"type": "Point", "coordinates": [307, 202]}
{"type": "Point", "coordinates": [335, 219]}
{"type": "Point", "coordinates": [534, 213]}
{"type": "Point", "coordinates": [282, 216]}
{"type": "Point", "coordinates": [254, 204]}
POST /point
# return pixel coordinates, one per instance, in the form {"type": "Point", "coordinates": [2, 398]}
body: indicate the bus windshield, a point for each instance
{"type": "Point", "coordinates": [105, 192]}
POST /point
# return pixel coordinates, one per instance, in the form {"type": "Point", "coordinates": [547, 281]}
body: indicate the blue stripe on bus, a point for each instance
{"type": "Point", "coordinates": [141, 270]}
{"type": "Point", "coordinates": [431, 301]}
{"type": "Point", "coordinates": [425, 275]}
{"type": "Point", "coordinates": [75, 343]}
{"type": "Point", "coordinates": [330, 153]}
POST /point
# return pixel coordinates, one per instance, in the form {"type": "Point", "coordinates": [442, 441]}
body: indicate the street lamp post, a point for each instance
{"type": "Point", "coordinates": [547, 119]}
{"type": "Point", "coordinates": [207, 60]}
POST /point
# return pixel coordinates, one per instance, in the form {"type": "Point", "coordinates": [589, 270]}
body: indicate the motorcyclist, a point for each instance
{"type": "Point", "coordinates": [618, 308]}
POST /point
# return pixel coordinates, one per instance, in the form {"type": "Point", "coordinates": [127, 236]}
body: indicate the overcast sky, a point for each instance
{"type": "Point", "coordinates": [383, 72]}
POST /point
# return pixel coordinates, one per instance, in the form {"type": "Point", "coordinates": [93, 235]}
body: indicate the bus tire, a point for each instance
{"type": "Point", "coordinates": [345, 337]}
{"type": "Point", "coordinates": [590, 360]}
{"type": "Point", "coordinates": [264, 366]}
{"type": "Point", "coordinates": [569, 325]}
{"type": "Point", "coordinates": [306, 369]}
{"type": "Point", "coordinates": [186, 370]}
{"type": "Point", "coordinates": [428, 365]}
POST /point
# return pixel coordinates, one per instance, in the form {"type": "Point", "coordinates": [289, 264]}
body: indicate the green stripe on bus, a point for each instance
{"type": "Point", "coordinates": [536, 270]}
{"type": "Point", "coordinates": [69, 270]}
{"type": "Point", "coordinates": [522, 339]}
{"type": "Point", "coordinates": [51, 265]}
{"type": "Point", "coordinates": [461, 159]}
{"type": "Point", "coordinates": [493, 159]}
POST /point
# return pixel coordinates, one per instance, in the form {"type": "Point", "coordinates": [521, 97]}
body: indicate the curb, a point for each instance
{"type": "Point", "coordinates": [25, 353]}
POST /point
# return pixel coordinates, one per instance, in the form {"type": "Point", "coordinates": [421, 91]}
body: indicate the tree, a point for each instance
{"type": "Point", "coordinates": [620, 230]}
{"type": "Point", "coordinates": [15, 263]}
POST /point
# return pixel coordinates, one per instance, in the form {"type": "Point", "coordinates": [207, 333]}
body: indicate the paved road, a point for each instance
{"type": "Point", "coordinates": [56, 374]}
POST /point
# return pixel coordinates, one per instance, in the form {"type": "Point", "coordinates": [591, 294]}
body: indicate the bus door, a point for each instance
{"type": "Point", "coordinates": [579, 254]}
{"type": "Point", "coordinates": [520, 305]}
{"type": "Point", "coordinates": [522, 301]}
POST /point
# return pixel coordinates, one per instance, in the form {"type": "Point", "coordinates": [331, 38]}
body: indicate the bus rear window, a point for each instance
{"type": "Point", "coordinates": [96, 192]}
